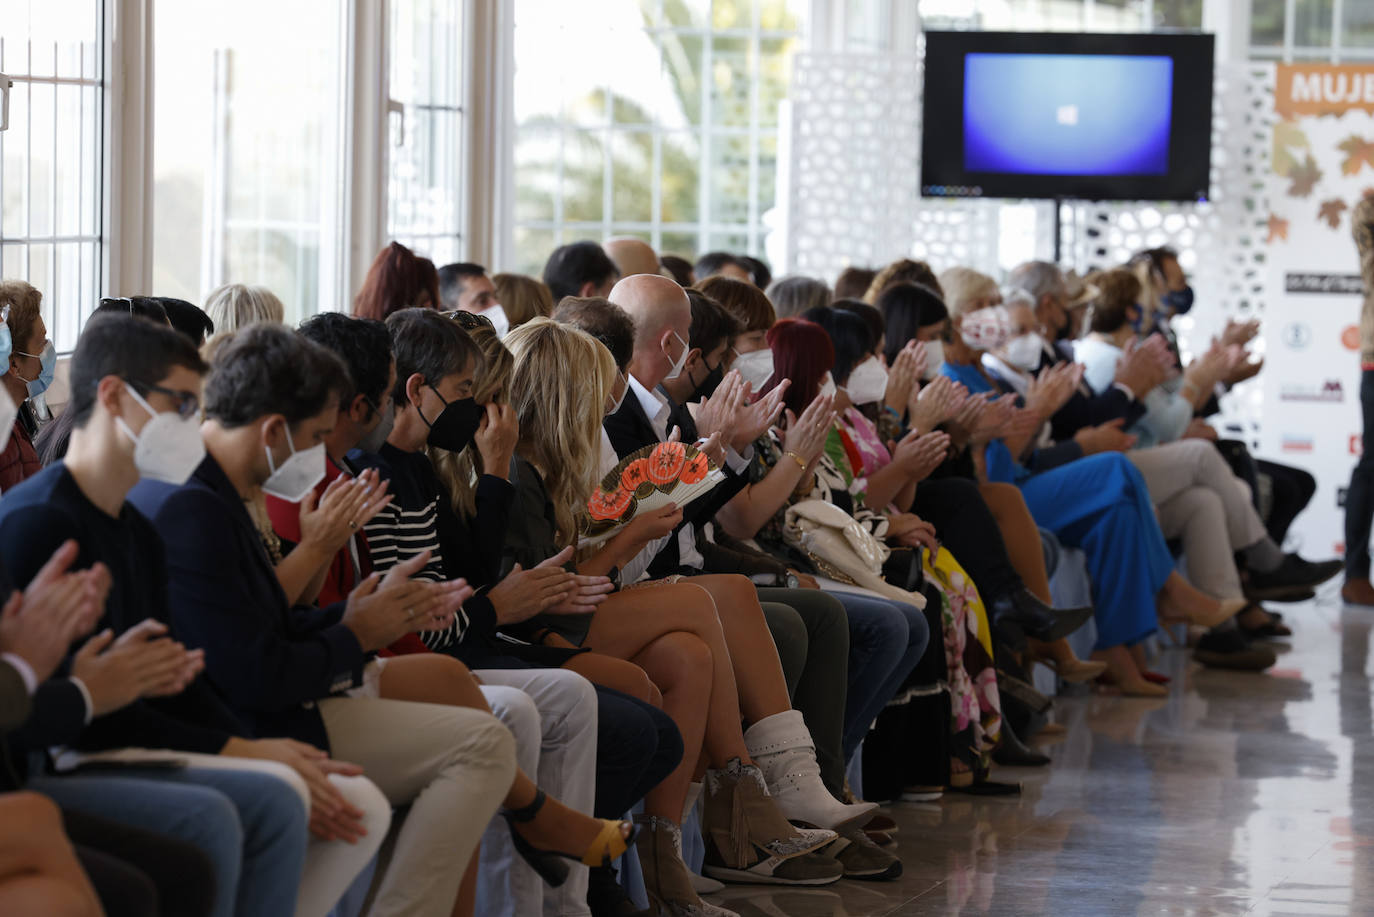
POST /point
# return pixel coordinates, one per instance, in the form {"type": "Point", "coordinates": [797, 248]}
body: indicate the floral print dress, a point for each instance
{"type": "Point", "coordinates": [975, 703]}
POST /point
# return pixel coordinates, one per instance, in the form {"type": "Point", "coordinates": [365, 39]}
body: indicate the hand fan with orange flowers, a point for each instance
{"type": "Point", "coordinates": [646, 480]}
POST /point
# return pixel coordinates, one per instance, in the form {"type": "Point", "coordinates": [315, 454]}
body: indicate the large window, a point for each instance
{"type": "Point", "coordinates": [249, 150]}
{"type": "Point", "coordinates": [654, 118]}
{"type": "Point", "coordinates": [1312, 29]}
{"type": "Point", "coordinates": [1061, 15]}
{"type": "Point", "coordinates": [51, 173]}
{"type": "Point", "coordinates": [426, 152]}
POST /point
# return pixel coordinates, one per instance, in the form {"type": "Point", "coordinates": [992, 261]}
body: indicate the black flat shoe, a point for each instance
{"type": "Point", "coordinates": [606, 897]}
{"type": "Point", "coordinates": [1230, 650]}
{"type": "Point", "coordinates": [1295, 576]}
{"type": "Point", "coordinates": [1027, 613]}
{"type": "Point", "coordinates": [1012, 752]}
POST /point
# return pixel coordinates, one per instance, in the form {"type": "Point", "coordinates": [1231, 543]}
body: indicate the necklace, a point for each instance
{"type": "Point", "coordinates": [257, 510]}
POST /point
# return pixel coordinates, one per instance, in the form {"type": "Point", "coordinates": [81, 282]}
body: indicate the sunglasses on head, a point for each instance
{"type": "Point", "coordinates": [470, 321]}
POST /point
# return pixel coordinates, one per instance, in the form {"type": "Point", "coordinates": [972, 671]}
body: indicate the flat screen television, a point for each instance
{"type": "Point", "coordinates": [1063, 115]}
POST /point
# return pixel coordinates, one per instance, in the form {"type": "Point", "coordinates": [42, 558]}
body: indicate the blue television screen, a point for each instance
{"type": "Point", "coordinates": [1071, 116]}
{"type": "Point", "coordinates": [1067, 114]}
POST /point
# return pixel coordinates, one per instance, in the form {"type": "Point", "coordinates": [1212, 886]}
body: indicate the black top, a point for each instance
{"type": "Point", "coordinates": [35, 519]}
{"type": "Point", "coordinates": [531, 539]}
{"type": "Point", "coordinates": [270, 661]}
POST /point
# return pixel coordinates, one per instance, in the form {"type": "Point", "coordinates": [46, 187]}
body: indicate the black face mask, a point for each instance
{"type": "Point", "coordinates": [456, 424]}
{"type": "Point", "coordinates": [707, 387]}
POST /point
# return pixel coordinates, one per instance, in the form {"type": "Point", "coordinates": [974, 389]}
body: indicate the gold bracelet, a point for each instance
{"type": "Point", "coordinates": [801, 463]}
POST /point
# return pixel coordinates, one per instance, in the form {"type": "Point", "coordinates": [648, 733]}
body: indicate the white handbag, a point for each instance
{"type": "Point", "coordinates": [841, 548]}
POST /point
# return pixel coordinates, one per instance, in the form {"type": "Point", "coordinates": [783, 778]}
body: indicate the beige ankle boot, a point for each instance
{"type": "Point", "coordinates": [667, 880]}
{"type": "Point", "coordinates": [749, 840]}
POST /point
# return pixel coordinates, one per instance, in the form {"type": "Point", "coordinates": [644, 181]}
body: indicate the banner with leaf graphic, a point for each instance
{"type": "Point", "coordinates": [1321, 166]}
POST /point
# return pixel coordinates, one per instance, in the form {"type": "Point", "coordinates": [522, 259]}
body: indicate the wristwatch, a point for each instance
{"type": "Point", "coordinates": [790, 581]}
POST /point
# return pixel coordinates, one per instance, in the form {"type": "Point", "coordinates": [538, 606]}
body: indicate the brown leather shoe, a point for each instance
{"type": "Point", "coordinates": [1358, 592]}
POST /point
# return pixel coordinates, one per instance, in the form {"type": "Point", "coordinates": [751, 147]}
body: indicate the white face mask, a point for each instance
{"type": "Point", "coordinates": [298, 475]}
{"type": "Point", "coordinates": [9, 411]}
{"type": "Point", "coordinates": [169, 447]}
{"type": "Point", "coordinates": [867, 382]}
{"type": "Point", "coordinates": [681, 361]}
{"type": "Point", "coordinates": [500, 322]}
{"type": "Point", "coordinates": [827, 385]}
{"type": "Point", "coordinates": [1024, 351]}
{"type": "Point", "coordinates": [623, 392]}
{"type": "Point", "coordinates": [935, 357]}
{"type": "Point", "coordinates": [986, 329]}
{"type": "Point", "coordinates": [754, 367]}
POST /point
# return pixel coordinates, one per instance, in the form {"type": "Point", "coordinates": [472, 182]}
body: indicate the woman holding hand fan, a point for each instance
{"type": "Point", "coordinates": [671, 630]}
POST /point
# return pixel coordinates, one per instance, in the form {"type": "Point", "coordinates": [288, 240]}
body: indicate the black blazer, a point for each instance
{"type": "Point", "coordinates": [1087, 408]}
{"type": "Point", "coordinates": [35, 519]}
{"type": "Point", "coordinates": [269, 660]}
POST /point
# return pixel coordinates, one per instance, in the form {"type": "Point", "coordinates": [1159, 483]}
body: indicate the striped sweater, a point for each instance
{"type": "Point", "coordinates": [409, 525]}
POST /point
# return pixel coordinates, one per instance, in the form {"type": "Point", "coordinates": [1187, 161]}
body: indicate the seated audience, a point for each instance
{"type": "Point", "coordinates": [563, 749]}
{"type": "Point", "coordinates": [247, 818]}
{"type": "Point", "coordinates": [281, 669]}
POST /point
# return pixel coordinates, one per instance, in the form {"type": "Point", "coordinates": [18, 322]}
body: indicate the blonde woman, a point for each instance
{"type": "Point", "coordinates": [561, 389]}
{"type": "Point", "coordinates": [237, 305]}
{"type": "Point", "coordinates": [522, 297]}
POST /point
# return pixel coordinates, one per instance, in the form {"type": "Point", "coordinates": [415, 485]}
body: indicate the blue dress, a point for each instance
{"type": "Point", "coordinates": [1102, 505]}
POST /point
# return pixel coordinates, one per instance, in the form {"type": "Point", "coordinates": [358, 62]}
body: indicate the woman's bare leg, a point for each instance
{"type": "Point", "coordinates": [616, 674]}
{"type": "Point", "coordinates": [626, 623]}
{"type": "Point", "coordinates": [39, 872]}
{"type": "Point", "coordinates": [677, 661]}
{"type": "Point", "coordinates": [432, 678]}
{"type": "Point", "coordinates": [758, 673]}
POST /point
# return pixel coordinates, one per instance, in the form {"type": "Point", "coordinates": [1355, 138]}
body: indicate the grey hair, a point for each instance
{"type": "Point", "coordinates": [793, 295]}
{"type": "Point", "coordinates": [1038, 278]}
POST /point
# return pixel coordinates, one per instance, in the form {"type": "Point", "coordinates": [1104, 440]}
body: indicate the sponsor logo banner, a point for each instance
{"type": "Point", "coordinates": [1297, 335]}
{"type": "Point", "coordinates": [1338, 284]}
{"type": "Point", "coordinates": [1329, 392]}
{"type": "Point", "coordinates": [1297, 444]}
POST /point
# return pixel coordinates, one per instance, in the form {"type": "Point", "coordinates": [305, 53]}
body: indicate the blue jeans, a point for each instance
{"type": "Point", "coordinates": [886, 640]}
{"type": "Point", "coordinates": [252, 826]}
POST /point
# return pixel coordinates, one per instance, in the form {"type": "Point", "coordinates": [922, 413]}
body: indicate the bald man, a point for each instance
{"type": "Point", "coordinates": [810, 629]}
{"type": "Point", "coordinates": [632, 256]}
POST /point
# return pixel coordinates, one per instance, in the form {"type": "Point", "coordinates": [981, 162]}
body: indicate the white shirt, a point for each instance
{"type": "Point", "coordinates": [657, 410]}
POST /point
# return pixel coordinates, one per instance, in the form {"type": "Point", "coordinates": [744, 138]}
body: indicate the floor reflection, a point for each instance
{"type": "Point", "coordinates": [1238, 794]}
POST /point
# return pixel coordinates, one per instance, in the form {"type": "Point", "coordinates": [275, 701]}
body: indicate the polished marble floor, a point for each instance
{"type": "Point", "coordinates": [1239, 794]}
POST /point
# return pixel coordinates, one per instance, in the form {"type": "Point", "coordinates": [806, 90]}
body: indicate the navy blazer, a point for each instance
{"type": "Point", "coordinates": [269, 660]}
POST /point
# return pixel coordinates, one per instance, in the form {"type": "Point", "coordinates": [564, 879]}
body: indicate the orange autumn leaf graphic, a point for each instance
{"type": "Point", "coordinates": [1359, 153]}
{"type": "Point", "coordinates": [1278, 229]}
{"type": "Point", "coordinates": [1304, 177]}
{"type": "Point", "coordinates": [1330, 212]}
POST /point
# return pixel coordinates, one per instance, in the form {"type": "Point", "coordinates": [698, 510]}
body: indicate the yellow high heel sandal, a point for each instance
{"type": "Point", "coordinates": [607, 847]}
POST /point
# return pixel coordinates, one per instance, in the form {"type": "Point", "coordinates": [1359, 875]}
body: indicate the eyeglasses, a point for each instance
{"type": "Point", "coordinates": [470, 321]}
{"type": "Point", "coordinates": [187, 403]}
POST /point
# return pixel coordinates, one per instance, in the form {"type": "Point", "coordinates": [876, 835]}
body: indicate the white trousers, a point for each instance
{"type": "Point", "coordinates": [552, 714]}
